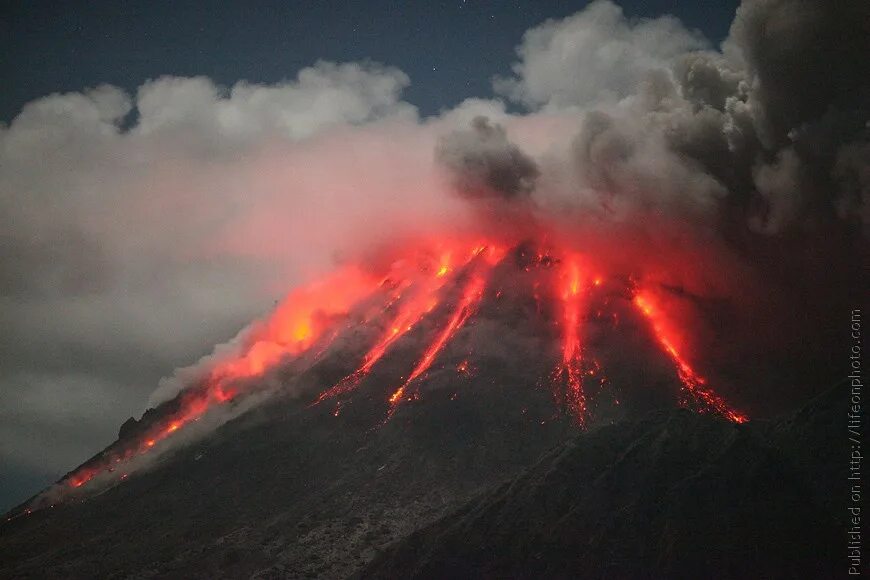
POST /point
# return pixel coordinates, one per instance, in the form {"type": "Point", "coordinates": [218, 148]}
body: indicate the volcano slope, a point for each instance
{"type": "Point", "coordinates": [674, 495]}
{"type": "Point", "coordinates": [330, 437]}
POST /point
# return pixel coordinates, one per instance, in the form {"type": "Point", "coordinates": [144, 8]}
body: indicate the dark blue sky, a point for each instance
{"type": "Point", "coordinates": [449, 49]}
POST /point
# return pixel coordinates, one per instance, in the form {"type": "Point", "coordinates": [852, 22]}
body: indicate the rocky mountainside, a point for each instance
{"type": "Point", "coordinates": [284, 494]}
{"type": "Point", "coordinates": [290, 491]}
{"type": "Point", "coordinates": [675, 495]}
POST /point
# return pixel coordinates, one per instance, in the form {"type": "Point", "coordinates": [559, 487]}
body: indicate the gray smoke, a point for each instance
{"type": "Point", "coordinates": [484, 164]}
{"type": "Point", "coordinates": [771, 130]}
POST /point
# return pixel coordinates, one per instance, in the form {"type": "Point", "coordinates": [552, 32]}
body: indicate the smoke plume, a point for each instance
{"type": "Point", "coordinates": [485, 164]}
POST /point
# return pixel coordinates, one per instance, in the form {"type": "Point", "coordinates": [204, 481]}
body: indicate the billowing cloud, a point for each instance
{"type": "Point", "coordinates": [485, 164]}
{"type": "Point", "coordinates": [768, 131]}
{"type": "Point", "coordinates": [595, 56]}
{"type": "Point", "coordinates": [322, 96]}
{"type": "Point", "coordinates": [138, 231]}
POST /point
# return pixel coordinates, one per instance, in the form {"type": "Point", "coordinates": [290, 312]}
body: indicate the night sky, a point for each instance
{"type": "Point", "coordinates": [450, 50]}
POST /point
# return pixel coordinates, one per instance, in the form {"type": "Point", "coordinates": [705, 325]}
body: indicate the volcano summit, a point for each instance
{"type": "Point", "coordinates": [427, 306]}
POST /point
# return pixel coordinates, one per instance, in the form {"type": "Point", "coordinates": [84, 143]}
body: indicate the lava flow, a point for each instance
{"type": "Point", "coordinates": [693, 383]}
{"type": "Point", "coordinates": [571, 367]}
{"type": "Point", "coordinates": [298, 323]}
{"type": "Point", "coordinates": [424, 299]}
{"type": "Point", "coordinates": [294, 327]}
{"type": "Point", "coordinates": [471, 296]}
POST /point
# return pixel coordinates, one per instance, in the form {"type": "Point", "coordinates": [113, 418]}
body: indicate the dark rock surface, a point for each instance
{"type": "Point", "coordinates": [290, 493]}
{"type": "Point", "coordinates": [675, 495]}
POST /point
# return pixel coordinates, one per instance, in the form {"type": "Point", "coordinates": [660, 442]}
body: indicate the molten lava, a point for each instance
{"type": "Point", "coordinates": [294, 327]}
{"type": "Point", "coordinates": [471, 296]}
{"type": "Point", "coordinates": [572, 289]}
{"type": "Point", "coordinates": [424, 299]}
{"type": "Point", "coordinates": [298, 323]}
{"type": "Point", "coordinates": [693, 383]}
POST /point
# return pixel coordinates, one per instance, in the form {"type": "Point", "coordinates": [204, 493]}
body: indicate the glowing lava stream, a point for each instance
{"type": "Point", "coordinates": [571, 366]}
{"type": "Point", "coordinates": [293, 329]}
{"type": "Point", "coordinates": [692, 382]}
{"type": "Point", "coordinates": [194, 407]}
{"type": "Point", "coordinates": [298, 323]}
{"type": "Point", "coordinates": [471, 297]}
{"type": "Point", "coordinates": [410, 313]}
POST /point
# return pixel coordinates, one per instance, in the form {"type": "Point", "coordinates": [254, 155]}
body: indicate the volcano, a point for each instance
{"type": "Point", "coordinates": [383, 398]}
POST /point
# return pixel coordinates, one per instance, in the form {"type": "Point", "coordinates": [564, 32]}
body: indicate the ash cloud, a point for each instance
{"type": "Point", "coordinates": [484, 164]}
{"type": "Point", "coordinates": [771, 130]}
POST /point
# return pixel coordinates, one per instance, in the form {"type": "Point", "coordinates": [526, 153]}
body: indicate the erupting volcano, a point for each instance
{"type": "Point", "coordinates": [426, 296]}
{"type": "Point", "coordinates": [510, 329]}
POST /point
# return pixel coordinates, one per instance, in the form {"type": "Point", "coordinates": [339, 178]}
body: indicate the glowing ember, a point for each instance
{"type": "Point", "coordinates": [693, 383]}
{"type": "Point", "coordinates": [571, 289]}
